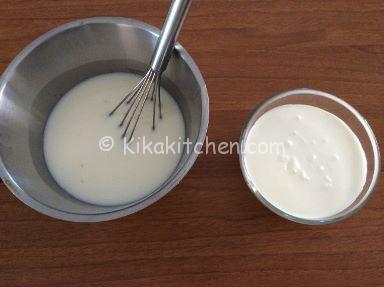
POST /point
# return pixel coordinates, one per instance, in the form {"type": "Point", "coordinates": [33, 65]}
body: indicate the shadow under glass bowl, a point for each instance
{"type": "Point", "coordinates": [57, 61]}
{"type": "Point", "coordinates": [339, 108]}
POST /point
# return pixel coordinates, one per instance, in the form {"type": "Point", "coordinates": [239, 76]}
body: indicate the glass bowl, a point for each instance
{"type": "Point", "coordinates": [339, 108]}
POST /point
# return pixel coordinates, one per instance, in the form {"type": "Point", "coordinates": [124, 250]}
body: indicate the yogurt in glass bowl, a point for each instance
{"type": "Point", "coordinates": [309, 156]}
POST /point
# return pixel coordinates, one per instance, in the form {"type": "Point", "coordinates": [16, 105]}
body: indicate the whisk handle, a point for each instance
{"type": "Point", "coordinates": [169, 34]}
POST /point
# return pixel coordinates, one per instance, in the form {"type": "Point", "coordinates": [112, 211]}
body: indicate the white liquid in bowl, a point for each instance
{"type": "Point", "coordinates": [305, 161]}
{"type": "Point", "coordinates": [80, 120]}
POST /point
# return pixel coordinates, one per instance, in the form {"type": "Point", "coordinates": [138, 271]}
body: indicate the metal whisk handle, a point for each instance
{"type": "Point", "coordinates": [169, 34]}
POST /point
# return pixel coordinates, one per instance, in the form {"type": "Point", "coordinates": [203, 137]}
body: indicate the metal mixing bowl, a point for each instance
{"type": "Point", "coordinates": [51, 65]}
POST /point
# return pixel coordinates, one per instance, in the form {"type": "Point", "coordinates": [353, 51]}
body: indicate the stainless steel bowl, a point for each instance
{"type": "Point", "coordinates": [51, 65]}
{"type": "Point", "coordinates": [344, 111]}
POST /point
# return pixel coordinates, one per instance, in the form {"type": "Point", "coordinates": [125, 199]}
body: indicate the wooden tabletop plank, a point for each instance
{"type": "Point", "coordinates": [210, 230]}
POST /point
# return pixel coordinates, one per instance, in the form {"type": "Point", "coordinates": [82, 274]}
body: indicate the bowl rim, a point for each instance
{"type": "Point", "coordinates": [373, 141]}
{"type": "Point", "coordinates": [23, 196]}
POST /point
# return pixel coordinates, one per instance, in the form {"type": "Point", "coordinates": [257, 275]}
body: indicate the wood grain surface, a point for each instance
{"type": "Point", "coordinates": [210, 230]}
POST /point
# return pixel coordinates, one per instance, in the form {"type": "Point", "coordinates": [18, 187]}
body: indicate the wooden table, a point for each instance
{"type": "Point", "coordinates": [210, 230]}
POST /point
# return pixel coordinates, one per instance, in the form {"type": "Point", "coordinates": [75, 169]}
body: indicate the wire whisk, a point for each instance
{"type": "Point", "coordinates": [136, 99]}
{"type": "Point", "coordinates": [149, 86]}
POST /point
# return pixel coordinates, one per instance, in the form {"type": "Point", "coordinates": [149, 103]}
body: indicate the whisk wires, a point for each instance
{"type": "Point", "coordinates": [148, 87]}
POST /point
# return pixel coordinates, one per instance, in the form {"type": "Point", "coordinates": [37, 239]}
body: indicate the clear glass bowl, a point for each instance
{"type": "Point", "coordinates": [342, 110]}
